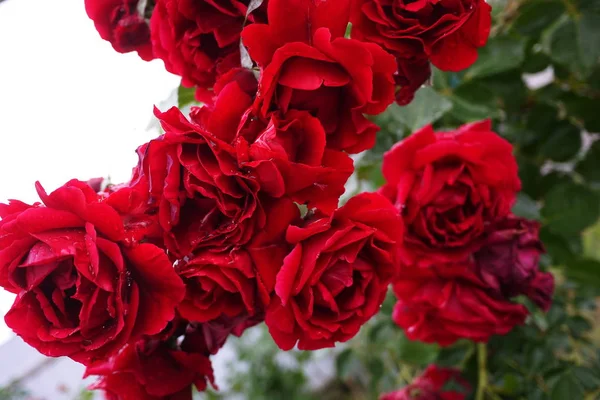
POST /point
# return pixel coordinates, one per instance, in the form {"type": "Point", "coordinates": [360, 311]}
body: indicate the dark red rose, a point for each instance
{"type": "Point", "coordinates": [411, 75]}
{"type": "Point", "coordinates": [450, 187]}
{"type": "Point", "coordinates": [200, 39]}
{"type": "Point", "coordinates": [336, 277]}
{"type": "Point", "coordinates": [446, 32]}
{"type": "Point", "coordinates": [445, 303]}
{"type": "Point", "coordinates": [209, 337]}
{"type": "Point", "coordinates": [508, 262]}
{"type": "Point", "coordinates": [202, 196]}
{"type": "Point", "coordinates": [237, 281]}
{"type": "Point", "coordinates": [121, 23]}
{"type": "Point", "coordinates": [152, 370]}
{"type": "Point", "coordinates": [83, 290]}
{"type": "Point", "coordinates": [308, 65]}
{"type": "Point", "coordinates": [435, 383]}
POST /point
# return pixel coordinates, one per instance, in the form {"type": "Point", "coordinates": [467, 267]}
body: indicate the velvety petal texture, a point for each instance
{"type": "Point", "coordinates": [446, 33]}
{"type": "Point", "coordinates": [336, 276]}
{"type": "Point", "coordinates": [435, 383]}
{"type": "Point", "coordinates": [83, 290]}
{"type": "Point", "coordinates": [199, 39]}
{"type": "Point", "coordinates": [449, 187]}
{"type": "Point", "coordinates": [152, 370]}
{"type": "Point", "coordinates": [308, 65]}
{"type": "Point", "coordinates": [122, 24]}
{"type": "Point", "coordinates": [449, 302]}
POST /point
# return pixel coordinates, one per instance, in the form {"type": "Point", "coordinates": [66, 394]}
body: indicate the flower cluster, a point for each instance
{"type": "Point", "coordinates": [231, 217]}
{"type": "Point", "coordinates": [464, 255]}
{"type": "Point", "coordinates": [199, 40]}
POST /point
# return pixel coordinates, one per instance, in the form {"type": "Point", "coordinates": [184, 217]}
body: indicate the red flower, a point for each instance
{"type": "Point", "coordinates": [199, 39]}
{"type": "Point", "coordinates": [447, 33]}
{"type": "Point", "coordinates": [120, 23]}
{"type": "Point", "coordinates": [237, 281]}
{"type": "Point", "coordinates": [203, 198]}
{"type": "Point", "coordinates": [308, 65]}
{"type": "Point", "coordinates": [289, 157]}
{"type": "Point", "coordinates": [435, 383]}
{"type": "Point", "coordinates": [83, 290]}
{"type": "Point", "coordinates": [336, 277]}
{"type": "Point", "coordinates": [152, 370]}
{"type": "Point", "coordinates": [446, 303]}
{"type": "Point", "coordinates": [509, 261]}
{"type": "Point", "coordinates": [450, 187]}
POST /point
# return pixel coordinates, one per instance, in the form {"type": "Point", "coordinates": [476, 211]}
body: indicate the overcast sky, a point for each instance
{"type": "Point", "coordinates": [70, 106]}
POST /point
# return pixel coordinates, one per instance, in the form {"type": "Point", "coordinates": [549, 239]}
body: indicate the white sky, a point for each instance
{"type": "Point", "coordinates": [70, 106]}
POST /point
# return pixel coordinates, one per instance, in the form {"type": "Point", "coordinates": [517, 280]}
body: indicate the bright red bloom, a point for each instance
{"type": "Point", "coordinates": [121, 23]}
{"type": "Point", "coordinates": [450, 187]}
{"type": "Point", "coordinates": [203, 198]}
{"type": "Point", "coordinates": [447, 33]}
{"type": "Point", "coordinates": [237, 281]}
{"type": "Point", "coordinates": [445, 303]}
{"type": "Point", "coordinates": [435, 383]}
{"type": "Point", "coordinates": [152, 370]}
{"type": "Point", "coordinates": [308, 65]}
{"type": "Point", "coordinates": [200, 39]}
{"type": "Point", "coordinates": [336, 277]}
{"type": "Point", "coordinates": [84, 289]}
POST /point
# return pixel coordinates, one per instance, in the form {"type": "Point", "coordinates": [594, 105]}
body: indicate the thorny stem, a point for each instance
{"type": "Point", "coordinates": [482, 371]}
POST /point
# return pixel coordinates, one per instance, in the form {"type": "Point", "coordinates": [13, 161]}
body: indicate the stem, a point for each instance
{"type": "Point", "coordinates": [482, 371]}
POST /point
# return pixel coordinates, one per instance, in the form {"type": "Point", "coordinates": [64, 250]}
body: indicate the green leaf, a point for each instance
{"type": "Point", "coordinates": [589, 167]}
{"type": "Point", "coordinates": [584, 271]}
{"type": "Point", "coordinates": [474, 101]}
{"type": "Point", "coordinates": [557, 246]}
{"type": "Point", "coordinates": [563, 47]}
{"type": "Point", "coordinates": [566, 387]}
{"type": "Point", "coordinates": [426, 108]}
{"type": "Point", "coordinates": [535, 16]}
{"type": "Point", "coordinates": [185, 96]}
{"type": "Point", "coordinates": [589, 39]}
{"type": "Point", "coordinates": [417, 353]}
{"type": "Point", "coordinates": [562, 143]}
{"type": "Point", "coordinates": [588, 379]}
{"type": "Point", "coordinates": [499, 55]}
{"type": "Point", "coordinates": [584, 109]}
{"type": "Point", "coordinates": [570, 208]}
{"type": "Point", "coordinates": [526, 207]}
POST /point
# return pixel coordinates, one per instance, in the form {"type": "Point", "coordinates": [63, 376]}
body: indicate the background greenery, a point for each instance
{"type": "Point", "coordinates": [555, 355]}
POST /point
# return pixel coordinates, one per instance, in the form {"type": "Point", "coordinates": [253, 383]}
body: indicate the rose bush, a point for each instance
{"type": "Point", "coordinates": [432, 385]}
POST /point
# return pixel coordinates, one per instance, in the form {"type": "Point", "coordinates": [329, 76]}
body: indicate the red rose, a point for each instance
{"type": "Point", "coordinates": [202, 196]}
{"type": "Point", "coordinates": [412, 74]}
{"type": "Point", "coordinates": [120, 23]}
{"type": "Point", "coordinates": [450, 187]}
{"type": "Point", "coordinates": [237, 281]}
{"type": "Point", "coordinates": [509, 261]}
{"type": "Point", "coordinates": [200, 39]}
{"type": "Point", "coordinates": [447, 33]}
{"type": "Point", "coordinates": [435, 383]}
{"type": "Point", "coordinates": [152, 370]}
{"type": "Point", "coordinates": [308, 65]}
{"type": "Point", "coordinates": [336, 277]}
{"type": "Point", "coordinates": [446, 303]}
{"type": "Point", "coordinates": [289, 156]}
{"type": "Point", "coordinates": [83, 292]}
